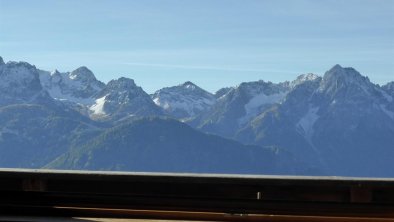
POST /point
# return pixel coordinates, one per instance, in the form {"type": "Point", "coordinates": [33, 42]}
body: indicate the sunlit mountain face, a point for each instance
{"type": "Point", "coordinates": [338, 124]}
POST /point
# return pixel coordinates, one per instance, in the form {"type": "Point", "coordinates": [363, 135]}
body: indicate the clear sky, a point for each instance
{"type": "Point", "coordinates": [214, 43]}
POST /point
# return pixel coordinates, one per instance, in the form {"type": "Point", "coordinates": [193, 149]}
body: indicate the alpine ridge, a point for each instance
{"type": "Point", "coordinates": [338, 124]}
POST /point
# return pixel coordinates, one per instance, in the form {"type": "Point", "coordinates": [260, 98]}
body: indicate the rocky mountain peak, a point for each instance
{"type": "Point", "coordinates": [338, 79]}
{"type": "Point", "coordinates": [261, 87]}
{"type": "Point", "coordinates": [187, 88]}
{"type": "Point", "coordinates": [1, 61]}
{"type": "Point", "coordinates": [189, 85]}
{"type": "Point", "coordinates": [122, 83]}
{"type": "Point", "coordinates": [122, 99]}
{"type": "Point", "coordinates": [82, 74]}
{"type": "Point", "coordinates": [346, 76]}
{"type": "Point", "coordinates": [19, 83]}
{"type": "Point", "coordinates": [250, 86]}
{"type": "Point", "coordinates": [19, 73]}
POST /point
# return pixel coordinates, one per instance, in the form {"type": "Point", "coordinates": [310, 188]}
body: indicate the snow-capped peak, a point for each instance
{"type": "Point", "coordinates": [78, 87]}
{"type": "Point", "coordinates": [19, 81]}
{"type": "Point", "coordinates": [19, 73]}
{"type": "Point", "coordinates": [308, 77]}
{"type": "Point", "coordinates": [304, 78]}
{"type": "Point", "coordinates": [184, 100]}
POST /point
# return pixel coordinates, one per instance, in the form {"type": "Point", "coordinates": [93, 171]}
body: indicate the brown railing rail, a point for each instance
{"type": "Point", "coordinates": [194, 196]}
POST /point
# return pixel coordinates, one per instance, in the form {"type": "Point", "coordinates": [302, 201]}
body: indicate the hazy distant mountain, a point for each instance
{"type": "Point", "coordinates": [164, 145]}
{"type": "Point", "coordinates": [183, 101]}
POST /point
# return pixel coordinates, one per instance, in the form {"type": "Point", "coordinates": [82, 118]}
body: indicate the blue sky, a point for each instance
{"type": "Point", "coordinates": [214, 43]}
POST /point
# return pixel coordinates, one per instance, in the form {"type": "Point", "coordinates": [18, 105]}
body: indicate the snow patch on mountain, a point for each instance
{"type": "Point", "coordinates": [122, 98]}
{"type": "Point", "coordinates": [98, 107]}
{"type": "Point", "coordinates": [58, 94]}
{"type": "Point", "coordinates": [262, 99]}
{"type": "Point", "coordinates": [163, 105]}
{"type": "Point", "coordinates": [190, 105]}
{"type": "Point", "coordinates": [307, 121]}
{"type": "Point", "coordinates": [221, 93]}
{"type": "Point", "coordinates": [257, 103]}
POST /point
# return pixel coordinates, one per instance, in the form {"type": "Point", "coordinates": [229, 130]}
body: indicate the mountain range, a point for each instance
{"type": "Point", "coordinates": [337, 124]}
